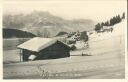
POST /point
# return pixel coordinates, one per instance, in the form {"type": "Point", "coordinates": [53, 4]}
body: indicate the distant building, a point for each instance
{"type": "Point", "coordinates": [43, 48]}
{"type": "Point", "coordinates": [107, 29]}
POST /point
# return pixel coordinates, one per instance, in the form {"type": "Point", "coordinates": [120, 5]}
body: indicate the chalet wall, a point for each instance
{"type": "Point", "coordinates": [26, 54]}
{"type": "Point", "coordinates": [57, 50]}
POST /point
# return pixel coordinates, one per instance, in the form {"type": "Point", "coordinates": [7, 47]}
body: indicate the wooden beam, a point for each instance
{"type": "Point", "coordinates": [20, 55]}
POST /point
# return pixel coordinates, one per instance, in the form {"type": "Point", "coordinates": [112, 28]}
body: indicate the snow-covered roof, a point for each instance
{"type": "Point", "coordinates": [37, 44]}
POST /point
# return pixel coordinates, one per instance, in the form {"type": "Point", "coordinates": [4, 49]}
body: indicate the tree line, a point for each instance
{"type": "Point", "coordinates": [114, 20]}
{"type": "Point", "coordinates": [11, 33]}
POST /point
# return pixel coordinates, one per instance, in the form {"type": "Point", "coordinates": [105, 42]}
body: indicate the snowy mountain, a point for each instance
{"type": "Point", "coordinates": [45, 24]}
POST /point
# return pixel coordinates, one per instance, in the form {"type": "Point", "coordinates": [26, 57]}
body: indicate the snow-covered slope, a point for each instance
{"type": "Point", "coordinates": [118, 30]}
{"type": "Point", "coordinates": [108, 42]}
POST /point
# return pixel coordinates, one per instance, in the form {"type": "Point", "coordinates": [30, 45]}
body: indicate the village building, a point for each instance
{"type": "Point", "coordinates": [43, 48]}
{"type": "Point", "coordinates": [107, 28]}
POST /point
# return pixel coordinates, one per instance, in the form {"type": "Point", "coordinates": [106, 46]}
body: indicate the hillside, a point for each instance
{"type": "Point", "coordinates": [118, 30]}
{"type": "Point", "coordinates": [11, 33]}
{"type": "Point", "coordinates": [45, 24]}
{"type": "Point", "coordinates": [61, 33]}
{"type": "Point", "coordinates": [109, 41]}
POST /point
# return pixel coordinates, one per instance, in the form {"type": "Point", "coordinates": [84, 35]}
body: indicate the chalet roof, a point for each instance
{"type": "Point", "coordinates": [37, 44]}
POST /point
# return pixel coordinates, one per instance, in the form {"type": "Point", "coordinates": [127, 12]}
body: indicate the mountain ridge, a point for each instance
{"type": "Point", "coordinates": [45, 24]}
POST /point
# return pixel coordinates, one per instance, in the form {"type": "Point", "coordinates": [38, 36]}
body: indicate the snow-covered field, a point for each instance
{"type": "Point", "coordinates": [105, 60]}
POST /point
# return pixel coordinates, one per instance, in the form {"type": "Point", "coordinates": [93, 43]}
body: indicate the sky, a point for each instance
{"type": "Point", "coordinates": [97, 10]}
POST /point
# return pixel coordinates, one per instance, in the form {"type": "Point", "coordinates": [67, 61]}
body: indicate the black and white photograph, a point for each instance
{"type": "Point", "coordinates": [64, 39]}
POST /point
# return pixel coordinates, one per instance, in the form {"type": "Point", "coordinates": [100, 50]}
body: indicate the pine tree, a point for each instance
{"type": "Point", "coordinates": [98, 27]}
{"type": "Point", "coordinates": [102, 24]}
{"type": "Point", "coordinates": [106, 23]}
{"type": "Point", "coordinates": [123, 16]}
{"type": "Point", "coordinates": [118, 19]}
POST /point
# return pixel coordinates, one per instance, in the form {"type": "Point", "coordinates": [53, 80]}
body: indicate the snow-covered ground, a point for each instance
{"type": "Point", "coordinates": [118, 30]}
{"type": "Point", "coordinates": [107, 61]}
{"type": "Point", "coordinates": [103, 42]}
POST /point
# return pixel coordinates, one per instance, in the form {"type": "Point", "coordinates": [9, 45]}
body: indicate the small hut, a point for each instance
{"type": "Point", "coordinates": [43, 48]}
